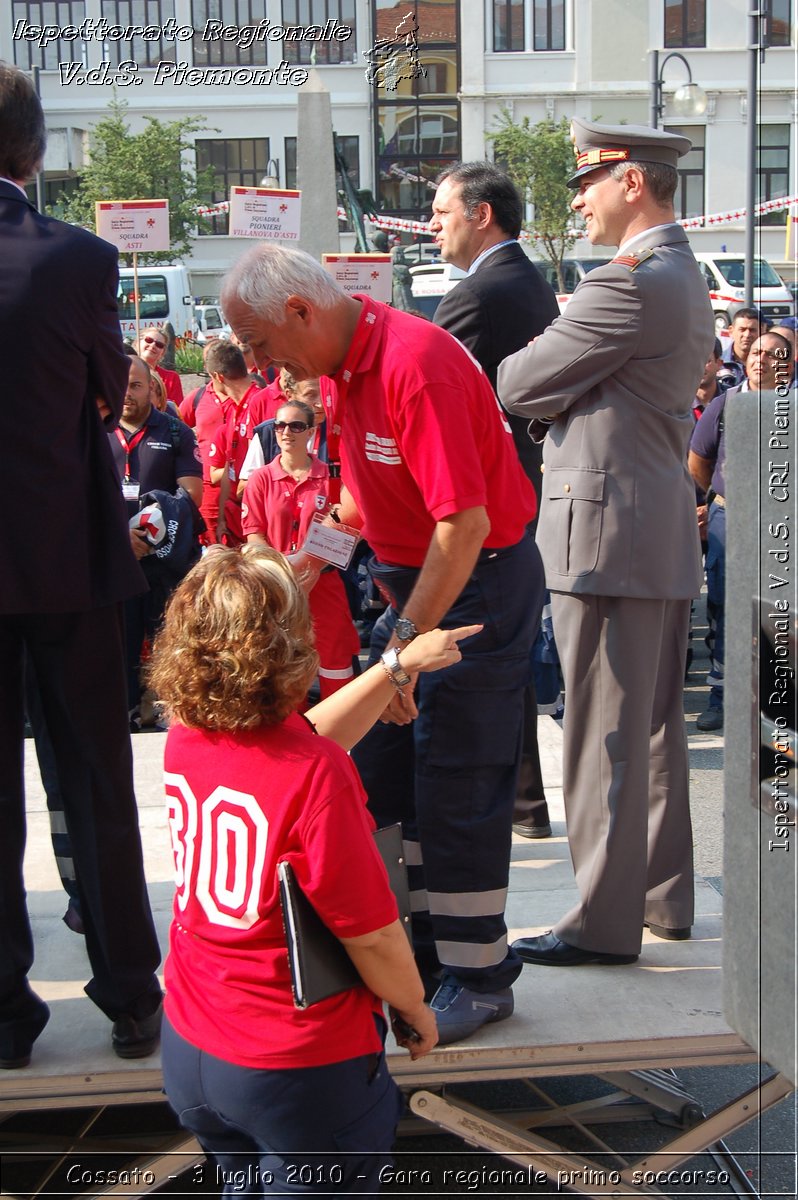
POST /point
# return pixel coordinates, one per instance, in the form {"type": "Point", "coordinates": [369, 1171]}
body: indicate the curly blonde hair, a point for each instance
{"type": "Point", "coordinates": [236, 648]}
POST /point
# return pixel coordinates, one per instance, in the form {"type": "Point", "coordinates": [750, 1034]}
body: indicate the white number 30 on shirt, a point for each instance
{"type": "Point", "coordinates": [220, 860]}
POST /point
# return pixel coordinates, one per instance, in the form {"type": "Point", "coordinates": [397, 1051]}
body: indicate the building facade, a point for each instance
{"type": "Point", "coordinates": [414, 85]}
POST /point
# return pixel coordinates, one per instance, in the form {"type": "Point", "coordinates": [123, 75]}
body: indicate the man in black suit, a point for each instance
{"type": "Point", "coordinates": [502, 304]}
{"type": "Point", "coordinates": [65, 565]}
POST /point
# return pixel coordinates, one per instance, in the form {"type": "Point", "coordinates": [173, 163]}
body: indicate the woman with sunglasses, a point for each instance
{"type": "Point", "coordinates": [283, 1100]}
{"type": "Point", "coordinates": [151, 346]}
{"type": "Point", "coordinates": [279, 502]}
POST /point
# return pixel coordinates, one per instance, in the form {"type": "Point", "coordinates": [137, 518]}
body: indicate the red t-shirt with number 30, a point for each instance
{"type": "Point", "coordinates": [237, 805]}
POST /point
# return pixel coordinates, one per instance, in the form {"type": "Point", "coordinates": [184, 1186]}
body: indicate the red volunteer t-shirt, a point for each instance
{"type": "Point", "coordinates": [171, 381]}
{"type": "Point", "coordinates": [229, 448]}
{"type": "Point", "coordinates": [423, 437]}
{"type": "Point", "coordinates": [204, 418]}
{"type": "Point", "coordinates": [238, 805]}
{"type": "Point", "coordinates": [282, 509]}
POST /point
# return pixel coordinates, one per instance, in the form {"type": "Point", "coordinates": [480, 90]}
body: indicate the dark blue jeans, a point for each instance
{"type": "Point", "coordinates": [320, 1130]}
{"type": "Point", "coordinates": [451, 776]}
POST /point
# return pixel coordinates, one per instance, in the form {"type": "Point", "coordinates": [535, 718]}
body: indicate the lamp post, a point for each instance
{"type": "Point", "coordinates": [272, 177]}
{"type": "Point", "coordinates": [689, 100]}
{"type": "Point", "coordinates": [756, 55]}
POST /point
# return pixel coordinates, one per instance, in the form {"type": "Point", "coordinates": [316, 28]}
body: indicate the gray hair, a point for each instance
{"type": "Point", "coordinates": [268, 274]}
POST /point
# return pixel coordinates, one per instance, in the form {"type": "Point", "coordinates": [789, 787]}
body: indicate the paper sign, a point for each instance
{"type": "Point", "coordinates": [133, 225]}
{"type": "Point", "coordinates": [368, 273]}
{"type": "Point", "coordinates": [333, 543]}
{"type": "Point", "coordinates": [269, 213]}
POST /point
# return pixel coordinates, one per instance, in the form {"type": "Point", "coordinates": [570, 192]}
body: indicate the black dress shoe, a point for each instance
{"type": "Point", "coordinates": [671, 935]}
{"type": "Point", "coordinates": [547, 950]}
{"type": "Point", "coordinates": [532, 831]}
{"type": "Point", "coordinates": [133, 1037]}
{"type": "Point", "coordinates": [17, 1053]}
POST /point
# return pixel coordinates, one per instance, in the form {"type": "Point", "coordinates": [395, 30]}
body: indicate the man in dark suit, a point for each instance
{"type": "Point", "coordinates": [502, 304]}
{"type": "Point", "coordinates": [65, 565]}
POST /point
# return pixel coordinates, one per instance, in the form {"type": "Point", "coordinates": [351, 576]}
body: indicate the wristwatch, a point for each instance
{"type": "Point", "coordinates": [396, 672]}
{"type": "Point", "coordinates": [405, 630]}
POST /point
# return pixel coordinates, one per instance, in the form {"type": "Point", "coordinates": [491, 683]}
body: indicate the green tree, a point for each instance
{"type": "Point", "coordinates": [151, 165]}
{"type": "Point", "coordinates": [540, 159]}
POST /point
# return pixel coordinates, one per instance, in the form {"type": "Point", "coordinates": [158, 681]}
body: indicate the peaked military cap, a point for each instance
{"type": "Point", "coordinates": [605, 145]}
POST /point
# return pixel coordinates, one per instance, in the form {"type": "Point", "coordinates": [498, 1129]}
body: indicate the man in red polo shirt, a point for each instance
{"type": "Point", "coordinates": [430, 463]}
{"type": "Point", "coordinates": [204, 412]}
{"type": "Point", "coordinates": [246, 408]}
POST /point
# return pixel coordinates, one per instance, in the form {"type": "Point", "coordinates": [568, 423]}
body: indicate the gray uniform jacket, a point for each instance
{"type": "Point", "coordinates": [618, 372]}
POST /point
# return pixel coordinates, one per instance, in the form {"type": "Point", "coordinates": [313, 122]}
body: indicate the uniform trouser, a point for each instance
{"type": "Point", "coordinates": [316, 1130]}
{"type": "Point", "coordinates": [337, 641]}
{"type": "Point", "coordinates": [625, 767]}
{"type": "Point", "coordinates": [716, 596]}
{"type": "Point", "coordinates": [450, 777]}
{"type": "Point", "coordinates": [530, 806]}
{"type": "Point", "coordinates": [78, 660]}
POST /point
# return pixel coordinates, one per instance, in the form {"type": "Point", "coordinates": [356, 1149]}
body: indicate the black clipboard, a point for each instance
{"type": "Point", "coordinates": [320, 966]}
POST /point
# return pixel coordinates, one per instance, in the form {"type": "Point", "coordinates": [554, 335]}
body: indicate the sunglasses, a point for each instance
{"type": "Point", "coordinates": [294, 426]}
{"type": "Point", "coordinates": [148, 341]}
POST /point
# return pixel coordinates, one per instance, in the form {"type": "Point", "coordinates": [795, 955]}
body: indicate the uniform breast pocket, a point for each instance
{"type": "Point", "coordinates": [575, 503]}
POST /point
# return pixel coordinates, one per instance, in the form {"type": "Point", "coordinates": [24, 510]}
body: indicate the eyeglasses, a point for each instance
{"type": "Point", "coordinates": [294, 426]}
{"type": "Point", "coordinates": [148, 341]}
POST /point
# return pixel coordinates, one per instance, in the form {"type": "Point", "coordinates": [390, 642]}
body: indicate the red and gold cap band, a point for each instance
{"type": "Point", "coordinates": [596, 156]}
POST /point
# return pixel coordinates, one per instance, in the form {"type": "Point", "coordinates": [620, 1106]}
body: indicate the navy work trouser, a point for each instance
{"type": "Point", "coordinates": [450, 776]}
{"type": "Point", "coordinates": [318, 1130]}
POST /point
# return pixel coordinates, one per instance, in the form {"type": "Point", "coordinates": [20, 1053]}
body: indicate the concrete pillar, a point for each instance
{"type": "Point", "coordinates": [316, 169]}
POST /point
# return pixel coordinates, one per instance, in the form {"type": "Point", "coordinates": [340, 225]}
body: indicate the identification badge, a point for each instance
{"type": "Point", "coordinates": [231, 473]}
{"type": "Point", "coordinates": [131, 489]}
{"type": "Point", "coordinates": [334, 544]}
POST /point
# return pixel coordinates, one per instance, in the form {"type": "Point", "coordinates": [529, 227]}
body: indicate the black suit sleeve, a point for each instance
{"type": "Point", "coordinates": [108, 365]}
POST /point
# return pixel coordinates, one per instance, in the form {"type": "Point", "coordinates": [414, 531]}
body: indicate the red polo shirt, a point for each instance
{"type": "Point", "coordinates": [423, 437]}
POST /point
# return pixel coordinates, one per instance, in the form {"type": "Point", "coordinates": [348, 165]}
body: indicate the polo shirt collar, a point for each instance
{"type": "Point", "coordinates": [276, 471]}
{"type": "Point", "coordinates": [365, 341]}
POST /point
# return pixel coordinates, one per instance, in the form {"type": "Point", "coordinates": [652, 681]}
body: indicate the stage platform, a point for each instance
{"type": "Point", "coordinates": [630, 1025]}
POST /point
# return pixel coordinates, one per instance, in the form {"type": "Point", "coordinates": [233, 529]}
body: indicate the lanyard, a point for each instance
{"type": "Point", "coordinates": [240, 421]}
{"type": "Point", "coordinates": [129, 445]}
{"type": "Point", "coordinates": [337, 411]}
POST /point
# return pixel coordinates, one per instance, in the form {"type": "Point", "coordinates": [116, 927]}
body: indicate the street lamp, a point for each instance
{"type": "Point", "coordinates": [272, 177]}
{"type": "Point", "coordinates": [688, 101]}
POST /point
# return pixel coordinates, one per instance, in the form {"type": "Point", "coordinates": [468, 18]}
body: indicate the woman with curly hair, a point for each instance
{"type": "Point", "coordinates": [284, 1100]}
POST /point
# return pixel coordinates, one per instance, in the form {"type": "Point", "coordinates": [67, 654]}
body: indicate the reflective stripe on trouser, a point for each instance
{"type": "Point", "coordinates": [450, 777]}
{"type": "Point", "coordinates": [337, 641]}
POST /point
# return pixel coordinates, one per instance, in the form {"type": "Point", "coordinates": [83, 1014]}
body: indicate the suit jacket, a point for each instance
{"type": "Point", "coordinates": [618, 373]}
{"type": "Point", "coordinates": [65, 545]}
{"type": "Point", "coordinates": [495, 312]}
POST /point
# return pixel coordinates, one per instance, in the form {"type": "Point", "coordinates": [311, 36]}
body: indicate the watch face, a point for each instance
{"type": "Point", "coordinates": [405, 629]}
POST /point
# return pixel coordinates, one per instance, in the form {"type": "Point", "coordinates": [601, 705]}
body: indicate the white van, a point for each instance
{"type": "Point", "coordinates": [164, 295]}
{"type": "Point", "coordinates": [725, 276]}
{"type": "Point", "coordinates": [209, 323]}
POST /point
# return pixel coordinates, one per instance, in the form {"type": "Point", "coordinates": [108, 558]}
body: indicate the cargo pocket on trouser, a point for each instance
{"type": "Point", "coordinates": [474, 716]}
{"type": "Point", "coordinates": [369, 1138]}
{"type": "Point", "coordinates": [574, 503]}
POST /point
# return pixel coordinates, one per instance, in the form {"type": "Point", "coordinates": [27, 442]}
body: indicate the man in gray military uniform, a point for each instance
{"type": "Point", "coordinates": [610, 386]}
